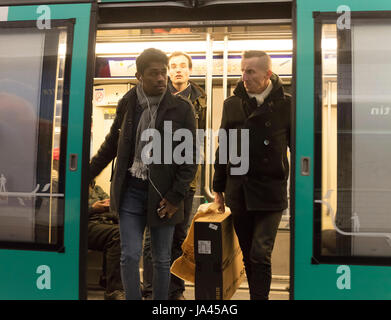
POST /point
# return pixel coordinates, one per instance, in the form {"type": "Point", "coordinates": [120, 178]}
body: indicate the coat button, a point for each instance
{"type": "Point", "coordinates": [268, 123]}
{"type": "Point", "coordinates": [266, 142]}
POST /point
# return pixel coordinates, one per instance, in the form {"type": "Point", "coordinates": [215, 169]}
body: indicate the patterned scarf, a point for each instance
{"type": "Point", "coordinates": [150, 105]}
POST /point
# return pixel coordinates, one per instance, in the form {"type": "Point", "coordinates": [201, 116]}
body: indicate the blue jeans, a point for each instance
{"type": "Point", "coordinates": [132, 222]}
{"type": "Point", "coordinates": [177, 285]}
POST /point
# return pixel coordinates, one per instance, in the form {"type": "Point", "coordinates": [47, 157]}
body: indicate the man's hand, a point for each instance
{"type": "Point", "coordinates": [219, 199]}
{"type": "Point", "coordinates": [168, 209]}
{"type": "Point", "coordinates": [101, 206]}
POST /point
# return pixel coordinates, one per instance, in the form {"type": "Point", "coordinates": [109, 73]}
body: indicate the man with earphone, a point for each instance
{"type": "Point", "coordinates": [145, 193]}
{"type": "Point", "coordinates": [179, 83]}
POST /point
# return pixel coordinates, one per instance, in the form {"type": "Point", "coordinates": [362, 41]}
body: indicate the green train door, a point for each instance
{"type": "Point", "coordinates": [43, 79]}
{"type": "Point", "coordinates": [342, 241]}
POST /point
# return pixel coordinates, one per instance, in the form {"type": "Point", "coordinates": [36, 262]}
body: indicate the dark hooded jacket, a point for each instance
{"type": "Point", "coordinates": [172, 180]}
{"type": "Point", "coordinates": [264, 186]}
{"type": "Point", "coordinates": [197, 96]}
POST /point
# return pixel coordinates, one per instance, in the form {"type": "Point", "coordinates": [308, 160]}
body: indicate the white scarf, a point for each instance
{"type": "Point", "coordinates": [263, 95]}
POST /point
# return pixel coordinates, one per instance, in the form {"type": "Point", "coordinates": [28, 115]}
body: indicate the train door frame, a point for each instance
{"type": "Point", "coordinates": [318, 275]}
{"type": "Point", "coordinates": [108, 9]}
{"type": "Point", "coordinates": [83, 14]}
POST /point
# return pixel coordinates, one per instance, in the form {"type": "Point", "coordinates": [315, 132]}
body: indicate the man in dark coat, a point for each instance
{"type": "Point", "coordinates": [257, 197]}
{"type": "Point", "coordinates": [149, 182]}
{"type": "Point", "coordinates": [179, 68]}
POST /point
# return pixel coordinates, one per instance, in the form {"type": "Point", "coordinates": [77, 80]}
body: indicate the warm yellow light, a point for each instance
{"type": "Point", "coordinates": [264, 45]}
{"type": "Point", "coordinates": [135, 48]}
{"type": "Point", "coordinates": [329, 44]}
{"type": "Point", "coordinates": [138, 47]}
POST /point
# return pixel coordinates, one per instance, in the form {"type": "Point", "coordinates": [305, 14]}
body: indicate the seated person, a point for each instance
{"type": "Point", "coordinates": [103, 235]}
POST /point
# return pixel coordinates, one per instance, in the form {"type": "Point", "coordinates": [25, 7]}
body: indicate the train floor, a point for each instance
{"type": "Point", "coordinates": [279, 287]}
{"type": "Point", "coordinates": [279, 291]}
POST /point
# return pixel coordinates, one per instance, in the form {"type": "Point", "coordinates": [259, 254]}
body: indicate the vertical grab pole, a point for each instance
{"type": "Point", "coordinates": [225, 68]}
{"type": "Point", "coordinates": [209, 135]}
{"type": "Point", "coordinates": [329, 140]}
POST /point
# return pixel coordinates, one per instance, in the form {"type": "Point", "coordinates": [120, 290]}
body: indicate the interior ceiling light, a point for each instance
{"type": "Point", "coordinates": [135, 48]}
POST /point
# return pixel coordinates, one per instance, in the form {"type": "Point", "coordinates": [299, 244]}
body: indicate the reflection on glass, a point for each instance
{"type": "Point", "coordinates": [356, 147]}
{"type": "Point", "coordinates": [31, 126]}
{"type": "Point", "coordinates": [57, 114]}
{"type": "Point", "coordinates": [329, 134]}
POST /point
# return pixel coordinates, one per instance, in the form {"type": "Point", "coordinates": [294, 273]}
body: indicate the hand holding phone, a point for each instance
{"type": "Point", "coordinates": [166, 209]}
{"type": "Point", "coordinates": [159, 210]}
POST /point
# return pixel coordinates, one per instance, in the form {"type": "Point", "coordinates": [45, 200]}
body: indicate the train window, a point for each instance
{"type": "Point", "coordinates": [352, 141]}
{"type": "Point", "coordinates": [33, 116]}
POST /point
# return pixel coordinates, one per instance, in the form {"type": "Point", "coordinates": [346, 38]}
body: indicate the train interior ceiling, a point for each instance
{"type": "Point", "coordinates": [216, 54]}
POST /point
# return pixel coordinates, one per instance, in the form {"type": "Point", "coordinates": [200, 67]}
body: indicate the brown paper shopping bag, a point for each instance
{"type": "Point", "coordinates": [184, 266]}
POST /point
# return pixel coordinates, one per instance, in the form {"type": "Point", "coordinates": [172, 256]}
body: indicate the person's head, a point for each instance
{"type": "Point", "coordinates": [179, 68]}
{"type": "Point", "coordinates": [256, 70]}
{"type": "Point", "coordinates": [151, 67]}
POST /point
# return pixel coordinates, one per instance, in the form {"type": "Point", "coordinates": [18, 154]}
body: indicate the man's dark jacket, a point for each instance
{"type": "Point", "coordinates": [265, 183]}
{"type": "Point", "coordinates": [171, 180]}
{"type": "Point", "coordinates": [197, 96]}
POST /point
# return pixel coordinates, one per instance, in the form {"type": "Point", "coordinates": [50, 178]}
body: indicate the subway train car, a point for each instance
{"type": "Point", "coordinates": [65, 64]}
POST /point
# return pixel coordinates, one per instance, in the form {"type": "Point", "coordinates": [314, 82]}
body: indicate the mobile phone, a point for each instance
{"type": "Point", "coordinates": [161, 208]}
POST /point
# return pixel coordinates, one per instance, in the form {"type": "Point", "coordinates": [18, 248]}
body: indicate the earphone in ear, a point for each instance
{"type": "Point", "coordinates": [139, 77]}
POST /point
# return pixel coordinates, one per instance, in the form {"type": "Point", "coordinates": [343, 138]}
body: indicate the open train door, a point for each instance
{"type": "Point", "coordinates": [43, 79]}
{"type": "Point", "coordinates": [342, 220]}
